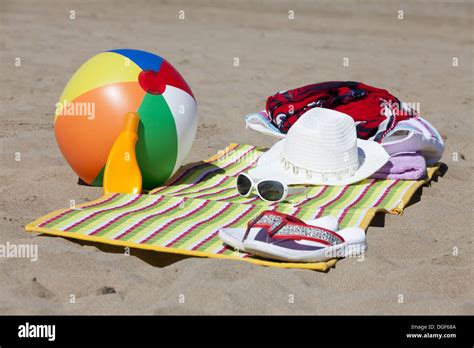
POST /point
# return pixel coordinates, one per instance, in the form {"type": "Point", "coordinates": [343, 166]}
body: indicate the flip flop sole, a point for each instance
{"type": "Point", "coordinates": [272, 251]}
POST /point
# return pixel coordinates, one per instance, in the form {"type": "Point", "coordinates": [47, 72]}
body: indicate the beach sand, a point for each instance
{"type": "Point", "coordinates": [417, 263]}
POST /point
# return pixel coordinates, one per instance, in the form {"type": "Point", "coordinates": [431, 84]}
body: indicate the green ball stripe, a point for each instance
{"type": "Point", "coordinates": [157, 145]}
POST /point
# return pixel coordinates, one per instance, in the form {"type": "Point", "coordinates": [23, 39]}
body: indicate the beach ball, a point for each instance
{"type": "Point", "coordinates": [91, 112]}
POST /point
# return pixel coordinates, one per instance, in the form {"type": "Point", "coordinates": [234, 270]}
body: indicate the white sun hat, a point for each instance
{"type": "Point", "coordinates": [321, 148]}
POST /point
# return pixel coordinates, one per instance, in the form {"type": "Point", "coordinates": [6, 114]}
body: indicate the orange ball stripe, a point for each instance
{"type": "Point", "coordinates": [87, 127]}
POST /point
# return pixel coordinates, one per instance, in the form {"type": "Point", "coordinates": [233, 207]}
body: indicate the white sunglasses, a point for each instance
{"type": "Point", "coordinates": [268, 190]}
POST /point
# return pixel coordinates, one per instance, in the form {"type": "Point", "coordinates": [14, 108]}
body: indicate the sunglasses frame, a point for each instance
{"type": "Point", "coordinates": [254, 186]}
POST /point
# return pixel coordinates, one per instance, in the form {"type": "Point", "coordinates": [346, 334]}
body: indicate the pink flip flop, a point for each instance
{"type": "Point", "coordinates": [283, 237]}
{"type": "Point", "coordinates": [234, 237]}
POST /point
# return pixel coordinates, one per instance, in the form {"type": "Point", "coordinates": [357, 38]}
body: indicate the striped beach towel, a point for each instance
{"type": "Point", "coordinates": [184, 215]}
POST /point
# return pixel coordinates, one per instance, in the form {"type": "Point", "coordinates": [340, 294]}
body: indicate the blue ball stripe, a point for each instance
{"type": "Point", "coordinates": [145, 60]}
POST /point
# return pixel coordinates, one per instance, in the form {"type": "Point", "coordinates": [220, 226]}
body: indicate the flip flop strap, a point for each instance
{"type": "Point", "coordinates": [284, 226]}
{"type": "Point", "coordinates": [307, 232]}
{"type": "Point", "coordinates": [270, 220]}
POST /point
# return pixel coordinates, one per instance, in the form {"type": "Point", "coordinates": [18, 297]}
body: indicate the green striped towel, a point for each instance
{"type": "Point", "coordinates": [184, 216]}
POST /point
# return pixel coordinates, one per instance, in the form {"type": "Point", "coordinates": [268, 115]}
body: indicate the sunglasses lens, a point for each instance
{"type": "Point", "coordinates": [244, 185]}
{"type": "Point", "coordinates": [271, 190]}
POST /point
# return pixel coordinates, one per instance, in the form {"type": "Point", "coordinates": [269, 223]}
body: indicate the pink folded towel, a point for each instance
{"type": "Point", "coordinates": [403, 166]}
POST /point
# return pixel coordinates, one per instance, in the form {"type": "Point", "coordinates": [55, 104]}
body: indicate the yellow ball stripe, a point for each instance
{"type": "Point", "coordinates": [103, 69]}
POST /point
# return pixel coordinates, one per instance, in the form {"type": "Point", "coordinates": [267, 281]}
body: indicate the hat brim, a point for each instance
{"type": "Point", "coordinates": [372, 157]}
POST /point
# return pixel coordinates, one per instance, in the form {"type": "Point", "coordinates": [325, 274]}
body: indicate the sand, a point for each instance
{"type": "Point", "coordinates": [418, 263]}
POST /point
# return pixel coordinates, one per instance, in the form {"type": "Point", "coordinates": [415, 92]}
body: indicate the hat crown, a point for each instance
{"type": "Point", "coordinates": [324, 141]}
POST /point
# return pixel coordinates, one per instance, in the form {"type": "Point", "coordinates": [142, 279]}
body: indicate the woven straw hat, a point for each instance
{"type": "Point", "coordinates": [321, 148]}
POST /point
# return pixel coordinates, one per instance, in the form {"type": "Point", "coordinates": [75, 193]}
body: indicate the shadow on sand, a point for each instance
{"type": "Point", "coordinates": [379, 218]}
{"type": "Point", "coordinates": [152, 257]}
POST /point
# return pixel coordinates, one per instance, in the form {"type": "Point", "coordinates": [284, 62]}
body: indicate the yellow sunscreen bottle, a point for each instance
{"type": "Point", "coordinates": [122, 174]}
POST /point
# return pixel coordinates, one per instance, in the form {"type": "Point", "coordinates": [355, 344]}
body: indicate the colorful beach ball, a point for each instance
{"type": "Point", "coordinates": [90, 114]}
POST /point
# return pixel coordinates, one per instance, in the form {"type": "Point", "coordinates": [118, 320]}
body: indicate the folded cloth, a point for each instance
{"type": "Point", "coordinates": [260, 122]}
{"type": "Point", "coordinates": [375, 111]}
{"type": "Point", "coordinates": [403, 166]}
{"type": "Point", "coordinates": [415, 135]}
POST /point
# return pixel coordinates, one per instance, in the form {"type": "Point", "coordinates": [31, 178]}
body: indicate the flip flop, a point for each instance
{"type": "Point", "coordinates": [234, 237]}
{"type": "Point", "coordinates": [289, 239]}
